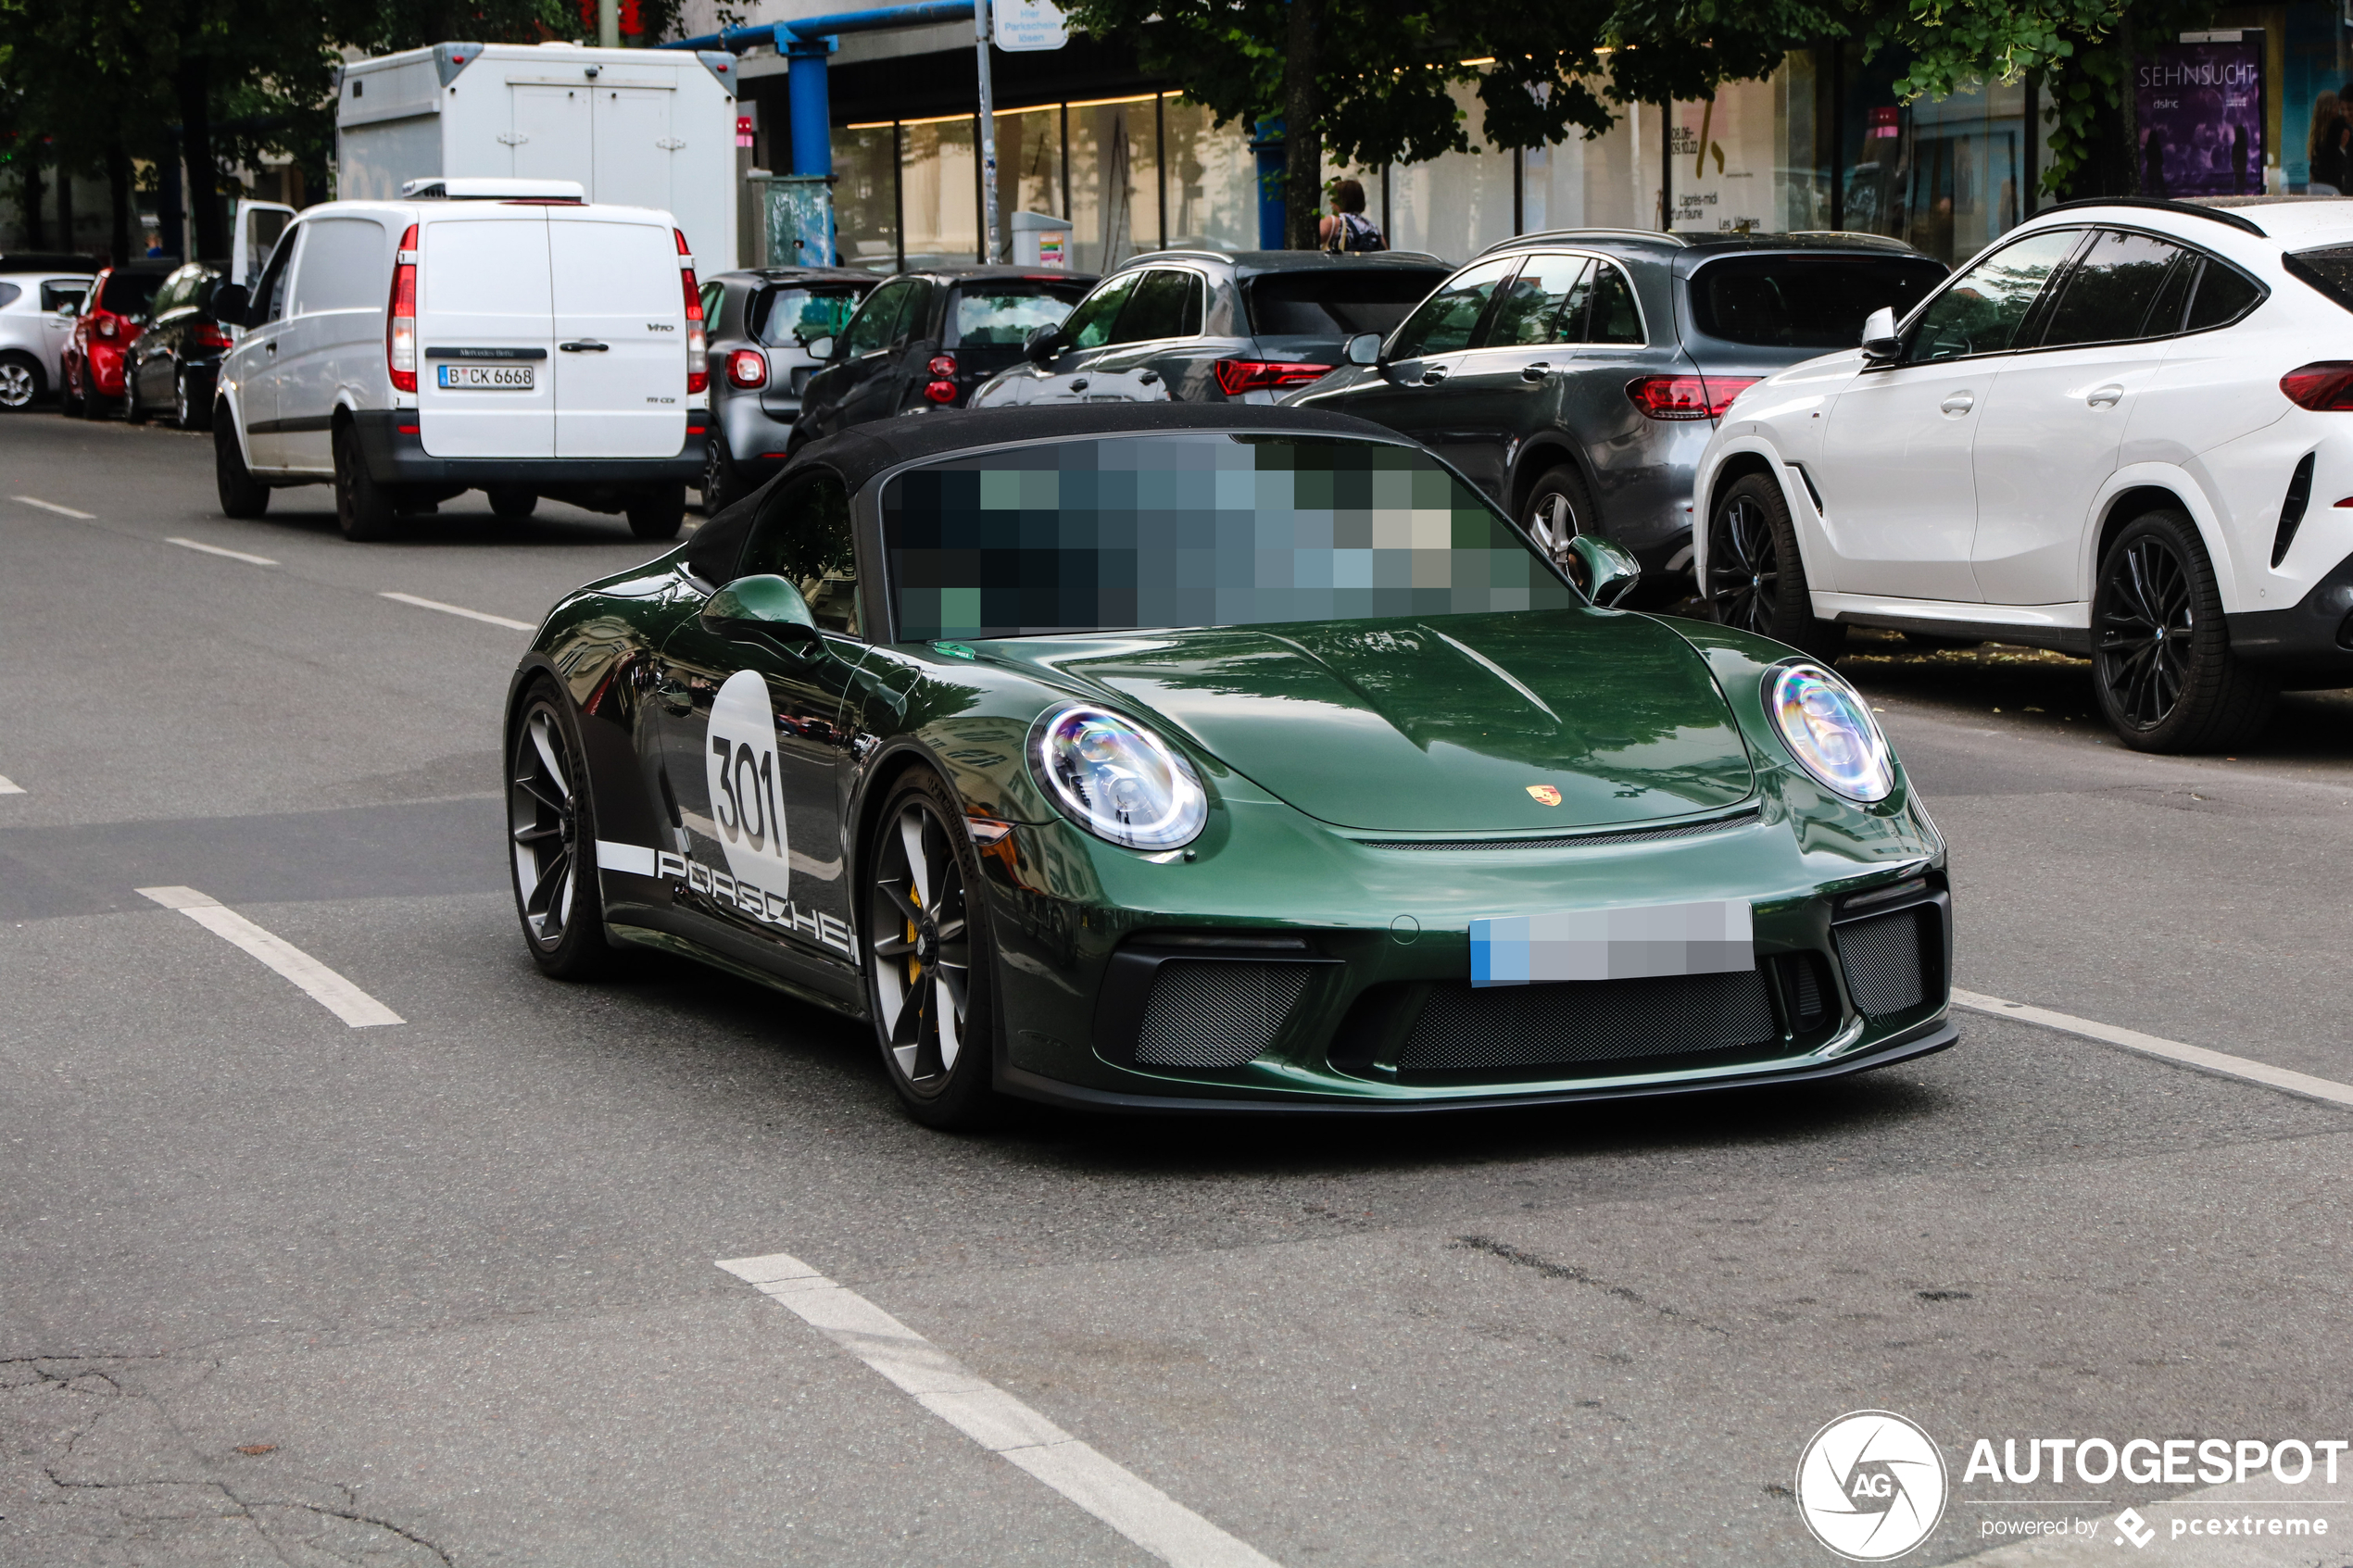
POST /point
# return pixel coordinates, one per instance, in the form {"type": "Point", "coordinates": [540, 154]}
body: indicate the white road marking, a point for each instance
{"type": "Point", "coordinates": [9, 787]}
{"type": "Point", "coordinates": [460, 610]}
{"type": "Point", "coordinates": [52, 507]}
{"type": "Point", "coordinates": [217, 550]}
{"type": "Point", "coordinates": [2172, 1050]}
{"type": "Point", "coordinates": [326, 987]}
{"type": "Point", "coordinates": [997, 1421]}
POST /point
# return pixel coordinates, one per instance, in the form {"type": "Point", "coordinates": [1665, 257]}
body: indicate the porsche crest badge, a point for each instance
{"type": "Point", "coordinates": [1545, 794]}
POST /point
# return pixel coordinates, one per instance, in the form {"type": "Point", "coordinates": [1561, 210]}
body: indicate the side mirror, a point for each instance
{"type": "Point", "coordinates": [230, 302]}
{"type": "Point", "coordinates": [1040, 346]}
{"type": "Point", "coordinates": [1365, 349]}
{"type": "Point", "coordinates": [1880, 342]}
{"type": "Point", "coordinates": [819, 347]}
{"type": "Point", "coordinates": [1606, 572]}
{"type": "Point", "coordinates": [762, 610]}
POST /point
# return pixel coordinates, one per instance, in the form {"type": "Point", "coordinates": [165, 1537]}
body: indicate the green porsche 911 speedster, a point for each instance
{"type": "Point", "coordinates": [1163, 757]}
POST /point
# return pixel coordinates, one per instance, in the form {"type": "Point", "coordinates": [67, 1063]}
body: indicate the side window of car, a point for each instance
{"type": "Point", "coordinates": [9, 294]}
{"type": "Point", "coordinates": [803, 535]}
{"type": "Point", "coordinates": [347, 265]}
{"type": "Point", "coordinates": [1612, 316]}
{"type": "Point", "coordinates": [915, 316]}
{"type": "Point", "coordinates": [714, 295]}
{"type": "Point", "coordinates": [1445, 321]}
{"type": "Point", "coordinates": [1159, 306]}
{"type": "Point", "coordinates": [64, 296]}
{"type": "Point", "coordinates": [2110, 292]}
{"type": "Point", "coordinates": [1090, 326]}
{"type": "Point", "coordinates": [1982, 310]}
{"type": "Point", "coordinates": [272, 290]}
{"type": "Point", "coordinates": [1545, 303]}
{"type": "Point", "coordinates": [872, 327]}
{"type": "Point", "coordinates": [2224, 294]}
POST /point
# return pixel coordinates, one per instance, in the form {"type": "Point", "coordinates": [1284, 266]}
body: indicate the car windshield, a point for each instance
{"type": "Point", "coordinates": [130, 294]}
{"type": "Point", "coordinates": [801, 317]}
{"type": "Point", "coordinates": [1805, 301]}
{"type": "Point", "coordinates": [1003, 315]}
{"type": "Point", "coordinates": [1329, 302]}
{"type": "Point", "coordinates": [1196, 529]}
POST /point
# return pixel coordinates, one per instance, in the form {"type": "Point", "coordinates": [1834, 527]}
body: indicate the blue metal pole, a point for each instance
{"type": "Point", "coordinates": [779, 34]}
{"type": "Point", "coordinates": [812, 118]}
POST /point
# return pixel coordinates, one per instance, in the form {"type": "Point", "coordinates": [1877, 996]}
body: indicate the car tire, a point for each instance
{"type": "Point", "coordinates": [1755, 577]}
{"type": "Point", "coordinates": [185, 414]}
{"type": "Point", "coordinates": [551, 839]}
{"type": "Point", "coordinates": [70, 399]}
{"type": "Point", "coordinates": [938, 1048]}
{"type": "Point", "coordinates": [723, 487]}
{"type": "Point", "coordinates": [2161, 661]}
{"type": "Point", "coordinates": [1558, 508]}
{"type": "Point", "coordinates": [20, 380]}
{"type": "Point", "coordinates": [659, 511]}
{"type": "Point", "coordinates": [512, 502]}
{"type": "Point", "coordinates": [363, 508]}
{"type": "Point", "coordinates": [241, 496]}
{"type": "Point", "coordinates": [133, 410]}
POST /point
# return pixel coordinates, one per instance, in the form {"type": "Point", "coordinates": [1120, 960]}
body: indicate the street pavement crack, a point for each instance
{"type": "Point", "coordinates": [1548, 1269]}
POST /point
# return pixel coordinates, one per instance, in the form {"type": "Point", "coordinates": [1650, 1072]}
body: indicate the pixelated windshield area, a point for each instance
{"type": "Point", "coordinates": [1196, 529]}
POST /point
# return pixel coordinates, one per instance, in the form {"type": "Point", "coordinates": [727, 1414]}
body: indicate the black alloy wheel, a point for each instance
{"type": "Point", "coordinates": [363, 510]}
{"type": "Point", "coordinates": [927, 957]}
{"type": "Point", "coordinates": [183, 416]}
{"type": "Point", "coordinates": [721, 485]}
{"type": "Point", "coordinates": [1755, 577]}
{"type": "Point", "coordinates": [2163, 669]}
{"type": "Point", "coordinates": [20, 380]}
{"type": "Point", "coordinates": [550, 826]}
{"type": "Point", "coordinates": [134, 408]}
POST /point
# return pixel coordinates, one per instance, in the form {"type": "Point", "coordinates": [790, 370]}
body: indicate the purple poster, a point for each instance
{"type": "Point", "coordinates": [2201, 119]}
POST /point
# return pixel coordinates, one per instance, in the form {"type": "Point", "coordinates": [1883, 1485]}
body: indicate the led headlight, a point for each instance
{"type": "Point", "coordinates": [1116, 779]}
{"type": "Point", "coordinates": [1830, 731]}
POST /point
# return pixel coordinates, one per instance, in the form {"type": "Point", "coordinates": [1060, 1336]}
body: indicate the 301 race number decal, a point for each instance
{"type": "Point", "coordinates": [747, 798]}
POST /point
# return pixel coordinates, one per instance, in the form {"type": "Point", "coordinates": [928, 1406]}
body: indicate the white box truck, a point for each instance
{"type": "Point", "coordinates": [635, 127]}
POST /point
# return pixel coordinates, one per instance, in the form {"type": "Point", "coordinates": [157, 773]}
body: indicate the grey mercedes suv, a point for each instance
{"type": "Point", "coordinates": [1577, 375]}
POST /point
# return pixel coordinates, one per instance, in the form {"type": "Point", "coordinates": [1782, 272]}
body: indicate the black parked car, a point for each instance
{"type": "Point", "coordinates": [176, 360]}
{"type": "Point", "coordinates": [925, 339]}
{"type": "Point", "coordinates": [1202, 326]}
{"type": "Point", "coordinates": [761, 324]}
{"type": "Point", "coordinates": [1576, 376]}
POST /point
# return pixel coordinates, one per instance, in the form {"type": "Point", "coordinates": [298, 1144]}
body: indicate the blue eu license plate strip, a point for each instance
{"type": "Point", "coordinates": [1712, 937]}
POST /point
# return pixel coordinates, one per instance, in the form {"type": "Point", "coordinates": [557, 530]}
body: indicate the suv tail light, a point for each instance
{"type": "Point", "coordinates": [400, 325]}
{"type": "Point", "coordinates": [943, 365]}
{"type": "Point", "coordinates": [206, 335]}
{"type": "Point", "coordinates": [1686, 398]}
{"type": "Point", "coordinates": [748, 368]}
{"type": "Point", "coordinates": [1237, 376]}
{"type": "Point", "coordinates": [2324, 386]}
{"type": "Point", "coordinates": [698, 346]}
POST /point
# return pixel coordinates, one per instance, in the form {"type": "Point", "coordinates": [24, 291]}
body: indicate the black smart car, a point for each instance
{"type": "Point", "coordinates": [176, 360]}
{"type": "Point", "coordinates": [761, 325]}
{"type": "Point", "coordinates": [925, 339]}
{"type": "Point", "coordinates": [1202, 326]}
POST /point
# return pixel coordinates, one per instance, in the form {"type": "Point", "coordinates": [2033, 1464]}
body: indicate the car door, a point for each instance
{"type": "Point", "coordinates": [1507, 384]}
{"type": "Point", "coordinates": [620, 312]}
{"type": "Point", "coordinates": [151, 358]}
{"type": "Point", "coordinates": [1402, 391]}
{"type": "Point", "coordinates": [2049, 433]}
{"type": "Point", "coordinates": [60, 303]}
{"type": "Point", "coordinates": [252, 364]}
{"type": "Point", "coordinates": [486, 302]}
{"type": "Point", "coordinates": [1087, 333]}
{"type": "Point", "coordinates": [1160, 318]}
{"type": "Point", "coordinates": [860, 380]}
{"type": "Point", "coordinates": [342, 285]}
{"type": "Point", "coordinates": [1894, 470]}
{"type": "Point", "coordinates": [752, 749]}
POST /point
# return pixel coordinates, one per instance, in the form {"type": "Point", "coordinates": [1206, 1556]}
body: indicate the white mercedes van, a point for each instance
{"type": "Point", "coordinates": [500, 335]}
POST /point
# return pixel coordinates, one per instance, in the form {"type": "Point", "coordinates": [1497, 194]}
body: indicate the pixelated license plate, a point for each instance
{"type": "Point", "coordinates": [1712, 936]}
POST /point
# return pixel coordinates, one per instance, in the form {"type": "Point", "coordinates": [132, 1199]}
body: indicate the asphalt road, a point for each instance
{"type": "Point", "coordinates": [277, 1290]}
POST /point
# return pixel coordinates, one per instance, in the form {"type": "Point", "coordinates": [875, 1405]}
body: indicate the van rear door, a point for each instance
{"type": "Point", "coordinates": [621, 333]}
{"type": "Point", "coordinates": [485, 383]}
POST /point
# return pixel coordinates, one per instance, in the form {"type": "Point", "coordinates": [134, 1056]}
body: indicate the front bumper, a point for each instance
{"type": "Point", "coordinates": [394, 449]}
{"type": "Point", "coordinates": [2310, 643]}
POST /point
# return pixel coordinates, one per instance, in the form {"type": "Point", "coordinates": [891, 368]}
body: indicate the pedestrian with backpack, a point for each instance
{"type": "Point", "coordinates": [1346, 228]}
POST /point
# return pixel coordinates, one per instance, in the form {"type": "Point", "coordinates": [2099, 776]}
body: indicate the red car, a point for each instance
{"type": "Point", "coordinates": [90, 380]}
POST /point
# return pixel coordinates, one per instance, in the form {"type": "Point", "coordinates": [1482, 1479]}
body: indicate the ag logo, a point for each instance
{"type": "Point", "coordinates": [1544, 795]}
{"type": "Point", "coordinates": [740, 761]}
{"type": "Point", "coordinates": [1870, 1485]}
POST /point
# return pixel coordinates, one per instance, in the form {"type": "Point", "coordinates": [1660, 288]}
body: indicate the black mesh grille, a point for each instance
{"type": "Point", "coordinates": [1808, 997]}
{"type": "Point", "coordinates": [1584, 1021]}
{"type": "Point", "coordinates": [1217, 1014]}
{"type": "Point", "coordinates": [1881, 956]}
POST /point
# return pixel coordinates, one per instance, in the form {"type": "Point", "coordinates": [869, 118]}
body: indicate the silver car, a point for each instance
{"type": "Point", "coordinates": [37, 308]}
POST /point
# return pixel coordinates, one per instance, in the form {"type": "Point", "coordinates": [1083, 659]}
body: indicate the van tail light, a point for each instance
{"type": "Point", "coordinates": [400, 325]}
{"type": "Point", "coordinates": [204, 334]}
{"type": "Point", "coordinates": [943, 365]}
{"type": "Point", "coordinates": [2325, 386]}
{"type": "Point", "coordinates": [1237, 376]}
{"type": "Point", "coordinates": [698, 346]}
{"type": "Point", "coordinates": [748, 368]}
{"type": "Point", "coordinates": [1686, 398]}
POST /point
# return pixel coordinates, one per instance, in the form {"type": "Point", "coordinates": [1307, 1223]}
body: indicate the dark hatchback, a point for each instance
{"type": "Point", "coordinates": [923, 340]}
{"type": "Point", "coordinates": [1199, 326]}
{"type": "Point", "coordinates": [1576, 376]}
{"type": "Point", "coordinates": [176, 361]}
{"type": "Point", "coordinates": [761, 325]}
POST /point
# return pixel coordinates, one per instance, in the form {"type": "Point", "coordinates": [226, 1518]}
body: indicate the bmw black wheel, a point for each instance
{"type": "Point", "coordinates": [1755, 577]}
{"type": "Point", "coordinates": [551, 833]}
{"type": "Point", "coordinates": [2165, 674]}
{"type": "Point", "coordinates": [927, 957]}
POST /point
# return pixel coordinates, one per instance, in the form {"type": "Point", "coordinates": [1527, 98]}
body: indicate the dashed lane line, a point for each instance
{"type": "Point", "coordinates": [9, 787]}
{"type": "Point", "coordinates": [995, 1420]}
{"type": "Point", "coordinates": [326, 987]}
{"type": "Point", "coordinates": [52, 507]}
{"type": "Point", "coordinates": [460, 610]}
{"type": "Point", "coordinates": [2172, 1050]}
{"type": "Point", "coordinates": [217, 550]}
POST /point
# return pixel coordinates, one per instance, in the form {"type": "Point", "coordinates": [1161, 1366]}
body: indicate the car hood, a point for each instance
{"type": "Point", "coordinates": [1457, 724]}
